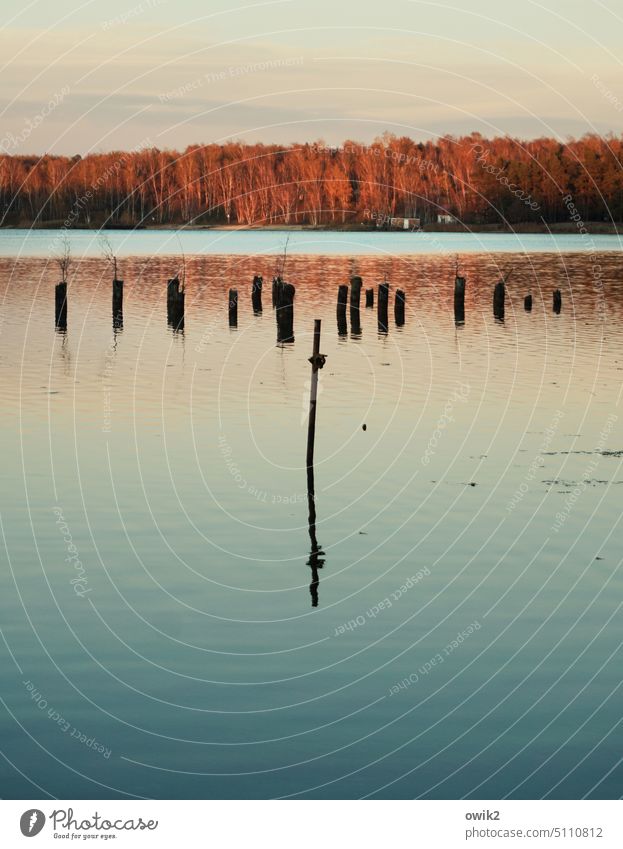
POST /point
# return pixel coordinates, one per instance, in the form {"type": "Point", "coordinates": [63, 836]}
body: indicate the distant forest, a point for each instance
{"type": "Point", "coordinates": [476, 180]}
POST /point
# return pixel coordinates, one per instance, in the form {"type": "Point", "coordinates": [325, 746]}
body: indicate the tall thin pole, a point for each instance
{"type": "Point", "coordinates": [317, 361]}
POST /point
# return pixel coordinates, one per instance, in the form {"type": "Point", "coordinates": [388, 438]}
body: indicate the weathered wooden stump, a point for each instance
{"type": "Point", "coordinates": [175, 291]}
{"type": "Point", "coordinates": [60, 306]}
{"type": "Point", "coordinates": [369, 298]}
{"type": "Point", "coordinates": [277, 281]}
{"type": "Point", "coordinates": [355, 305]}
{"type": "Point", "coordinates": [399, 308]}
{"type": "Point", "coordinates": [256, 294]}
{"type": "Point", "coordinates": [233, 308]}
{"type": "Point", "coordinates": [355, 292]}
{"type": "Point", "coordinates": [557, 301]}
{"type": "Point", "coordinates": [499, 294]}
{"type": "Point", "coordinates": [117, 303]}
{"type": "Point", "coordinates": [287, 311]}
{"type": "Point", "coordinates": [527, 303]}
{"type": "Point", "coordinates": [382, 304]}
{"type": "Point", "coordinates": [342, 300]}
{"type": "Point", "coordinates": [175, 304]}
{"type": "Point", "coordinates": [284, 310]}
{"type": "Point", "coordinates": [459, 300]}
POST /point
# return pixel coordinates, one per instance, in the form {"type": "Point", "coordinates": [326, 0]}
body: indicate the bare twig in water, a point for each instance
{"type": "Point", "coordinates": [181, 276]}
{"type": "Point", "coordinates": [109, 254]}
{"type": "Point", "coordinates": [281, 271]}
{"type": "Point", "coordinates": [63, 257]}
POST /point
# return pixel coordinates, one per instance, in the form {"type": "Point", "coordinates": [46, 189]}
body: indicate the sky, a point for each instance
{"type": "Point", "coordinates": [79, 77]}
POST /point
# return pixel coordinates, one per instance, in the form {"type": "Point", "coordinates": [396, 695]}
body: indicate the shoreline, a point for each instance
{"type": "Point", "coordinates": [561, 228]}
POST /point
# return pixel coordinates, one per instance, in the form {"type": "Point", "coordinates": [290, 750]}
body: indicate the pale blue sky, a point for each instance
{"type": "Point", "coordinates": [174, 72]}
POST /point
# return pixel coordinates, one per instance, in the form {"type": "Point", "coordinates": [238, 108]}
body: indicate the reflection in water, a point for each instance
{"type": "Point", "coordinates": [64, 351]}
{"type": "Point", "coordinates": [316, 556]}
{"type": "Point", "coordinates": [115, 333]}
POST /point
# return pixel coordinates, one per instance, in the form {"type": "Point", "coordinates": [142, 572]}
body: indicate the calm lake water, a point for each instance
{"type": "Point", "coordinates": [87, 243]}
{"type": "Point", "coordinates": [156, 604]}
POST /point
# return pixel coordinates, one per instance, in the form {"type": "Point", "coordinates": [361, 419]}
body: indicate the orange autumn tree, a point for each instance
{"type": "Point", "coordinates": [318, 184]}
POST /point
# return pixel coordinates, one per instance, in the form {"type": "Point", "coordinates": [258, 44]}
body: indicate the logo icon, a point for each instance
{"type": "Point", "coordinates": [32, 822]}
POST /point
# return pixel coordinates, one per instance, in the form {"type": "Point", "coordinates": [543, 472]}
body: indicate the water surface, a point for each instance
{"type": "Point", "coordinates": [87, 243]}
{"type": "Point", "coordinates": [159, 638]}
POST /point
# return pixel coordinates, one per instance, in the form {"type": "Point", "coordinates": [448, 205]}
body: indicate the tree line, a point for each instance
{"type": "Point", "coordinates": [476, 180]}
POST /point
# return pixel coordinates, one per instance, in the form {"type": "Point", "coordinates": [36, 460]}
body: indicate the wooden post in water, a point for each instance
{"type": "Point", "coordinates": [256, 294]}
{"type": "Point", "coordinates": [342, 300]}
{"type": "Point", "coordinates": [527, 303]}
{"type": "Point", "coordinates": [355, 292]}
{"type": "Point", "coordinates": [369, 298]}
{"type": "Point", "coordinates": [175, 304]}
{"type": "Point", "coordinates": [117, 303]}
{"type": "Point", "coordinates": [399, 308]}
{"type": "Point", "coordinates": [233, 308]}
{"type": "Point", "coordinates": [355, 303]}
{"type": "Point", "coordinates": [277, 296]}
{"type": "Point", "coordinates": [459, 300]}
{"type": "Point", "coordinates": [276, 284]}
{"type": "Point", "coordinates": [382, 302]}
{"type": "Point", "coordinates": [557, 301]}
{"type": "Point", "coordinates": [284, 294]}
{"type": "Point", "coordinates": [317, 361]}
{"type": "Point", "coordinates": [288, 312]}
{"type": "Point", "coordinates": [498, 300]}
{"type": "Point", "coordinates": [60, 306]}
